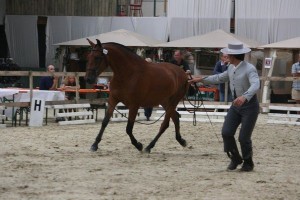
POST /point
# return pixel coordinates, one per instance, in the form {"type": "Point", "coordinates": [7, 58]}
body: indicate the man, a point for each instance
{"type": "Point", "coordinates": [49, 82]}
{"type": "Point", "coordinates": [296, 83]}
{"type": "Point", "coordinates": [179, 61]}
{"type": "Point", "coordinates": [244, 83]}
{"type": "Point", "coordinates": [220, 67]}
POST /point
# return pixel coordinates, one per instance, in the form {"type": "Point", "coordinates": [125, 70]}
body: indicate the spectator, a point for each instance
{"type": "Point", "coordinates": [296, 83]}
{"type": "Point", "coordinates": [49, 82]}
{"type": "Point", "coordinates": [70, 83]}
{"type": "Point", "coordinates": [220, 67]}
{"type": "Point", "coordinates": [190, 60]}
{"type": "Point", "coordinates": [179, 61]}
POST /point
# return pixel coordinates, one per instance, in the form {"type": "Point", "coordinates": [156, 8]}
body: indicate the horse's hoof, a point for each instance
{"type": "Point", "coordinates": [147, 150]}
{"type": "Point", "coordinates": [93, 148]}
{"type": "Point", "coordinates": [139, 146]}
{"type": "Point", "coordinates": [183, 143]}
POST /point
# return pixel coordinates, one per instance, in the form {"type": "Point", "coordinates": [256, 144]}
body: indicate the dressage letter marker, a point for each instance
{"type": "Point", "coordinates": [36, 112]}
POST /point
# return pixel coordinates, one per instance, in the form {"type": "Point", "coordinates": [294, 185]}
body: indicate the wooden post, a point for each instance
{"type": "Point", "coordinates": [77, 84]}
{"type": "Point", "coordinates": [266, 89]}
{"type": "Point", "coordinates": [30, 84]}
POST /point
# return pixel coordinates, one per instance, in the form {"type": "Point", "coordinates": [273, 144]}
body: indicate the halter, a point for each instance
{"type": "Point", "coordinates": [103, 53]}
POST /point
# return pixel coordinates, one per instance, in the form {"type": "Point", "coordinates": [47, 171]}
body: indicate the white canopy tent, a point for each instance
{"type": "Point", "coordinates": [214, 39]}
{"type": "Point", "coordinates": [75, 27]}
{"type": "Point", "coordinates": [124, 37]}
{"type": "Point", "coordinates": [293, 43]}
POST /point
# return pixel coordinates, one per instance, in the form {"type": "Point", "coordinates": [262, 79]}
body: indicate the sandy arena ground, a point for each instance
{"type": "Point", "coordinates": [54, 162]}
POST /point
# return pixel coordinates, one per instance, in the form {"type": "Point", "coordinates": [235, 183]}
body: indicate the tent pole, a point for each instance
{"type": "Point", "coordinates": [266, 89]}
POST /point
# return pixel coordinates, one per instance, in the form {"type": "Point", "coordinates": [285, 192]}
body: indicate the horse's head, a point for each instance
{"type": "Point", "coordinates": [96, 62]}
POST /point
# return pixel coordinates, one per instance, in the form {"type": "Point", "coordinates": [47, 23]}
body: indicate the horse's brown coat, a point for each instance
{"type": "Point", "coordinates": [137, 83]}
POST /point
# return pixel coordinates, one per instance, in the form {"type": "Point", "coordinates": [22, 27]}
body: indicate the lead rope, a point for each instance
{"type": "Point", "coordinates": [196, 107]}
{"type": "Point", "coordinates": [139, 121]}
{"type": "Point", "coordinates": [196, 101]}
{"type": "Point", "coordinates": [123, 115]}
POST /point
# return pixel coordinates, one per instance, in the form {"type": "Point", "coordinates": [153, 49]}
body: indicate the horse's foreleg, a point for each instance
{"type": "Point", "coordinates": [163, 127]}
{"type": "Point", "coordinates": [175, 118]}
{"type": "Point", "coordinates": [129, 128]}
{"type": "Point", "coordinates": [105, 121]}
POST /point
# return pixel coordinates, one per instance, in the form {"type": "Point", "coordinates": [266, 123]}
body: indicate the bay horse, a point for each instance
{"type": "Point", "coordinates": [137, 83]}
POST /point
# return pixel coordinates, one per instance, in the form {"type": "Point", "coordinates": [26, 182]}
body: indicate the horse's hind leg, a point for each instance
{"type": "Point", "coordinates": [105, 121]}
{"type": "Point", "coordinates": [175, 118]}
{"type": "Point", "coordinates": [163, 127]}
{"type": "Point", "coordinates": [129, 128]}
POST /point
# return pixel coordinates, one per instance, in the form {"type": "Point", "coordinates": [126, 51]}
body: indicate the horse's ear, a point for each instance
{"type": "Point", "coordinates": [99, 43]}
{"type": "Point", "coordinates": [91, 43]}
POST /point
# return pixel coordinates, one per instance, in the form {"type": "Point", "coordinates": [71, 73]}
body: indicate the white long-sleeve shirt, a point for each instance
{"type": "Point", "coordinates": [244, 79]}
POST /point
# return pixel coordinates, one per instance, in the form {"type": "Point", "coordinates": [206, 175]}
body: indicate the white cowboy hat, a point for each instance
{"type": "Point", "coordinates": [235, 48]}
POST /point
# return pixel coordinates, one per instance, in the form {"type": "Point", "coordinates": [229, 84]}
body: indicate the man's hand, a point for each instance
{"type": "Point", "coordinates": [239, 101]}
{"type": "Point", "coordinates": [188, 72]}
{"type": "Point", "coordinates": [195, 80]}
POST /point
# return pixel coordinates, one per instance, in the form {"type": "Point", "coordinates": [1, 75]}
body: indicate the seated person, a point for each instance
{"type": "Point", "coordinates": [49, 82]}
{"type": "Point", "coordinates": [70, 83]}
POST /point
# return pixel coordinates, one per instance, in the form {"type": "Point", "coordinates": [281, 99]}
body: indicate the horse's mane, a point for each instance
{"type": "Point", "coordinates": [130, 51]}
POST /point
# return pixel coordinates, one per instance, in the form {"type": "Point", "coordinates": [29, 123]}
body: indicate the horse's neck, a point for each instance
{"type": "Point", "coordinates": [121, 62]}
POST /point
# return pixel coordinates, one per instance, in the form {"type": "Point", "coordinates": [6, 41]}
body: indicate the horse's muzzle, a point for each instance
{"type": "Point", "coordinates": [90, 76]}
